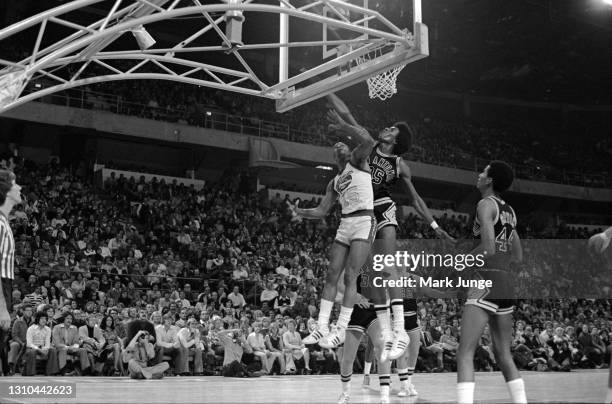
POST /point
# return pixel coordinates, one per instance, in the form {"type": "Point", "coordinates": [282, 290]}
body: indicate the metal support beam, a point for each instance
{"type": "Point", "coordinates": [87, 43]}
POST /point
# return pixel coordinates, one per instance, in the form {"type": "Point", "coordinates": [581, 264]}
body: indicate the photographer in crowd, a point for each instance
{"type": "Point", "coordinates": [138, 353]}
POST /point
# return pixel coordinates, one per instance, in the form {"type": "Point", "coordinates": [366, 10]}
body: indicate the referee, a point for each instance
{"type": "Point", "coordinates": [10, 195]}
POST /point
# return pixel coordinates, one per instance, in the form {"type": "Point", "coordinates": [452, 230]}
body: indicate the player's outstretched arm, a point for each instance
{"type": "Point", "coordinates": [324, 207]}
{"type": "Point", "coordinates": [360, 135]}
{"type": "Point", "coordinates": [342, 109]}
{"type": "Point", "coordinates": [516, 247]}
{"type": "Point", "coordinates": [600, 241]}
{"type": "Point", "coordinates": [419, 204]}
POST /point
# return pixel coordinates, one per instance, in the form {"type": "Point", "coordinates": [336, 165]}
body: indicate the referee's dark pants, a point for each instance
{"type": "Point", "coordinates": [7, 290]}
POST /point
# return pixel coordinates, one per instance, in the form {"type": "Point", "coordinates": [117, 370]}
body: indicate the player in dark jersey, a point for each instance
{"type": "Point", "coordinates": [495, 228]}
{"type": "Point", "coordinates": [387, 168]}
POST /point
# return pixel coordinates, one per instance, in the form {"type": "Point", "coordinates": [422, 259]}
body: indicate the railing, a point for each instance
{"type": "Point", "coordinates": [209, 117]}
{"type": "Point", "coordinates": [125, 278]}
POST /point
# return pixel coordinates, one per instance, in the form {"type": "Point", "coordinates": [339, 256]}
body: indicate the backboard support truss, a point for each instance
{"type": "Point", "coordinates": [66, 63]}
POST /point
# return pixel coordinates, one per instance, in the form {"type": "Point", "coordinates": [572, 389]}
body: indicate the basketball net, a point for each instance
{"type": "Point", "coordinates": [382, 85]}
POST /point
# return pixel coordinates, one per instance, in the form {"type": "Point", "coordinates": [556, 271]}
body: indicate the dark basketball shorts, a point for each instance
{"type": "Point", "coordinates": [385, 213]}
{"type": "Point", "coordinates": [411, 322]}
{"type": "Point", "coordinates": [494, 299]}
{"type": "Point", "coordinates": [362, 319]}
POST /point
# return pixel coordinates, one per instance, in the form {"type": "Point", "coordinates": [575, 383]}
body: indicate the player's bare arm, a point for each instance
{"type": "Point", "coordinates": [324, 207]}
{"type": "Point", "coordinates": [516, 248]}
{"type": "Point", "coordinates": [486, 212]}
{"type": "Point", "coordinates": [365, 142]}
{"type": "Point", "coordinates": [342, 109]}
{"type": "Point", "coordinates": [419, 204]}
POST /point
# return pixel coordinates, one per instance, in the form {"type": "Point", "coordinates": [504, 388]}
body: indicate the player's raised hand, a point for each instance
{"type": "Point", "coordinates": [599, 242]}
{"type": "Point", "coordinates": [336, 123]}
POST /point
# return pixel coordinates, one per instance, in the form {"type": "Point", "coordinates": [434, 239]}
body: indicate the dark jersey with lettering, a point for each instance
{"type": "Point", "coordinates": [504, 229]}
{"type": "Point", "coordinates": [385, 172]}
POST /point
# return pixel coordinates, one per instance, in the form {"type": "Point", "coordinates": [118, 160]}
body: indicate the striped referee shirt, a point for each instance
{"type": "Point", "coordinates": [7, 249]}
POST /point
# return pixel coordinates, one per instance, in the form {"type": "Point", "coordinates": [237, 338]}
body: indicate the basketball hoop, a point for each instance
{"type": "Point", "coordinates": [382, 85]}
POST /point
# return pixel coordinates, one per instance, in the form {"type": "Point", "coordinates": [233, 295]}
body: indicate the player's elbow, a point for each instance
{"type": "Point", "coordinates": [368, 140]}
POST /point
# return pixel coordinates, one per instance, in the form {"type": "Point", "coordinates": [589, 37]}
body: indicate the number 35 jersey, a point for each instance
{"type": "Point", "coordinates": [504, 230]}
{"type": "Point", "coordinates": [385, 172]}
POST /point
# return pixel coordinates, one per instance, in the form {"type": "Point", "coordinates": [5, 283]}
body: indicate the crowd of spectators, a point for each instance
{"type": "Point", "coordinates": [438, 141]}
{"type": "Point", "coordinates": [227, 278]}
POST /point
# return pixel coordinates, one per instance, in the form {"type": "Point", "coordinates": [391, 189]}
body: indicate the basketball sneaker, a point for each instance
{"type": "Point", "coordinates": [344, 398]}
{"type": "Point", "coordinates": [366, 382]}
{"type": "Point", "coordinates": [316, 336]}
{"type": "Point", "coordinates": [387, 338]}
{"type": "Point", "coordinates": [400, 343]}
{"type": "Point", "coordinates": [407, 390]}
{"type": "Point", "coordinates": [333, 339]}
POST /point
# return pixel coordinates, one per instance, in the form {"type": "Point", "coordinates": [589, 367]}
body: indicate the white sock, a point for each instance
{"type": "Point", "coordinates": [516, 388]}
{"type": "Point", "coordinates": [344, 317]}
{"type": "Point", "coordinates": [384, 320]}
{"type": "Point", "coordinates": [403, 376]}
{"type": "Point", "coordinates": [609, 396]}
{"type": "Point", "coordinates": [384, 390]}
{"type": "Point", "coordinates": [324, 313]}
{"type": "Point", "coordinates": [465, 392]}
{"type": "Point", "coordinates": [346, 387]}
{"type": "Point", "coordinates": [367, 367]}
{"type": "Point", "coordinates": [398, 315]}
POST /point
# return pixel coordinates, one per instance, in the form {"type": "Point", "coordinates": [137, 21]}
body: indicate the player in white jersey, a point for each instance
{"type": "Point", "coordinates": [598, 244]}
{"type": "Point", "coordinates": [352, 187]}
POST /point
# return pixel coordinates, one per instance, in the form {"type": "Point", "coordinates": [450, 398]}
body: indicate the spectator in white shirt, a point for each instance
{"type": "Point", "coordinates": [294, 348]}
{"type": "Point", "coordinates": [240, 273]}
{"type": "Point", "coordinates": [184, 238]}
{"type": "Point", "coordinates": [237, 299]}
{"type": "Point", "coordinates": [190, 344]}
{"type": "Point", "coordinates": [38, 346]}
{"type": "Point", "coordinates": [258, 344]}
{"type": "Point", "coordinates": [282, 270]}
{"type": "Point", "coordinates": [268, 294]}
{"type": "Point", "coordinates": [58, 220]}
{"type": "Point", "coordinates": [167, 340]}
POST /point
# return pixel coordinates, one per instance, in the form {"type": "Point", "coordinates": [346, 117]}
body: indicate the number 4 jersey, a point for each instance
{"type": "Point", "coordinates": [504, 229]}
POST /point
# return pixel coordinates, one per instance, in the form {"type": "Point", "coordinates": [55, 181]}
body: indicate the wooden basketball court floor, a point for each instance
{"type": "Point", "coordinates": [577, 386]}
